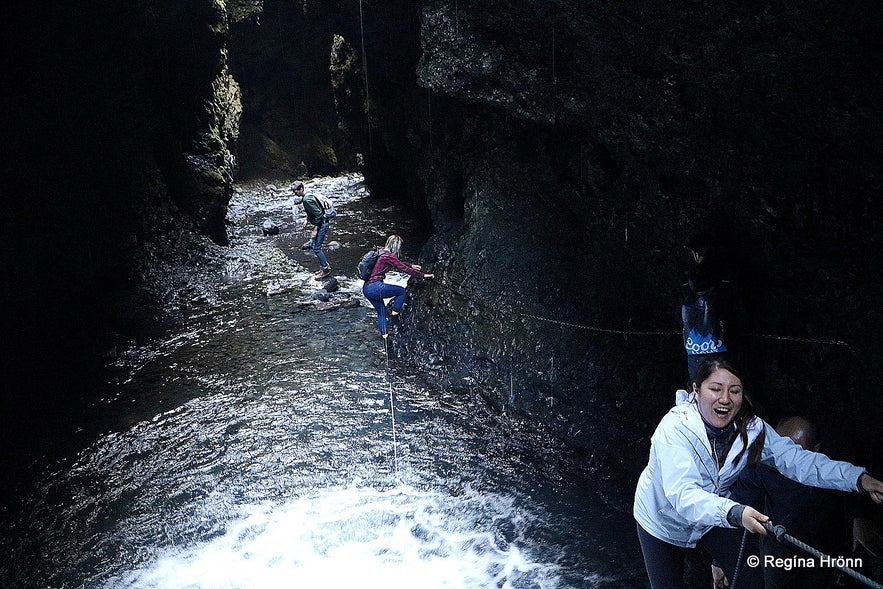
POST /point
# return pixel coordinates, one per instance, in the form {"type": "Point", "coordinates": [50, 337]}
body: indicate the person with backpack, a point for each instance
{"type": "Point", "coordinates": [319, 212]}
{"type": "Point", "coordinates": [376, 290]}
{"type": "Point", "coordinates": [709, 309]}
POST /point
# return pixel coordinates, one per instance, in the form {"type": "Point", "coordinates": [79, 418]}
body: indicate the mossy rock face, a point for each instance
{"type": "Point", "coordinates": [265, 155]}
{"type": "Point", "coordinates": [210, 164]}
{"type": "Point", "coordinates": [241, 10]}
{"type": "Point", "coordinates": [208, 193]}
{"type": "Point", "coordinates": [347, 85]}
{"type": "Point", "coordinates": [226, 108]}
{"type": "Point", "coordinates": [344, 62]}
{"type": "Point", "coordinates": [325, 156]}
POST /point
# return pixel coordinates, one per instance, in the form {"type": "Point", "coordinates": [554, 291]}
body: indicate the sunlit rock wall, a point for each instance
{"type": "Point", "coordinates": [568, 149]}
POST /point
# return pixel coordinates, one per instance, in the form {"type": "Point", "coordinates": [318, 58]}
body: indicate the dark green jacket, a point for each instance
{"type": "Point", "coordinates": [315, 213]}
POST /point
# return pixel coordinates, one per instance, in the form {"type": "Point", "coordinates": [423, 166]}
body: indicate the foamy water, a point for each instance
{"type": "Point", "coordinates": [357, 537]}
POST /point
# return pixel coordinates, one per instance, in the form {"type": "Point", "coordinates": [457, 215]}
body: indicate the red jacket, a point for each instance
{"type": "Point", "coordinates": [388, 261]}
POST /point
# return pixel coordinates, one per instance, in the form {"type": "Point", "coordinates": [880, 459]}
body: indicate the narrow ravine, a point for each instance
{"type": "Point", "coordinates": [255, 446]}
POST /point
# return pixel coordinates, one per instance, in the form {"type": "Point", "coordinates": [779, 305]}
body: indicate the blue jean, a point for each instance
{"type": "Point", "coordinates": [375, 292]}
{"type": "Point", "coordinates": [665, 562]}
{"type": "Point", "coordinates": [316, 242]}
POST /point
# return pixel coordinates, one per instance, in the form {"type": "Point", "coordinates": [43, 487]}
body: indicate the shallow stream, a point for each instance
{"type": "Point", "coordinates": [269, 441]}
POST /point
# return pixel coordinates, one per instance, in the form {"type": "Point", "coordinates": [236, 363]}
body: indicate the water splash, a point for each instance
{"type": "Point", "coordinates": [356, 537]}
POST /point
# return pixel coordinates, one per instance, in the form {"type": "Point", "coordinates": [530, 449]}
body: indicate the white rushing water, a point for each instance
{"type": "Point", "coordinates": [358, 537]}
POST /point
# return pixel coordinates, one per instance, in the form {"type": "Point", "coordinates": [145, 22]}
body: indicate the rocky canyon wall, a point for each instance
{"type": "Point", "coordinates": [562, 151]}
{"type": "Point", "coordinates": [117, 122]}
{"type": "Point", "coordinates": [569, 149]}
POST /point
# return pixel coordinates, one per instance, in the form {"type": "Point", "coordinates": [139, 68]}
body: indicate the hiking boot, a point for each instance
{"type": "Point", "coordinates": [323, 273]}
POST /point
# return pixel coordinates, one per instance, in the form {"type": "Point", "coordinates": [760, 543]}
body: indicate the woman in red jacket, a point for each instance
{"type": "Point", "coordinates": [376, 290]}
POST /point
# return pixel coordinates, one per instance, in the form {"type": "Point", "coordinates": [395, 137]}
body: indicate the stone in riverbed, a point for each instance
{"type": "Point", "coordinates": [270, 228]}
{"type": "Point", "coordinates": [351, 303]}
{"type": "Point", "coordinates": [330, 284]}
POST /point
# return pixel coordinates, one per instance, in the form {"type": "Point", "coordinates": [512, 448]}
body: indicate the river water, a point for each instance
{"type": "Point", "coordinates": [268, 441]}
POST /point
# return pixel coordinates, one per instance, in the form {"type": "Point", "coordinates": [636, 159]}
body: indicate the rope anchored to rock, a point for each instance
{"type": "Point", "coordinates": [392, 410]}
{"type": "Point", "coordinates": [512, 311]}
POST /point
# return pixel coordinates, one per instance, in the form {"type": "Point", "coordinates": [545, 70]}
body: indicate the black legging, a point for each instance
{"type": "Point", "coordinates": [665, 562]}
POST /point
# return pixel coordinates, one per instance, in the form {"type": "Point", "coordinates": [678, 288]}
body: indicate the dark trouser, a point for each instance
{"type": "Point", "coordinates": [316, 242]}
{"type": "Point", "coordinates": [665, 562]}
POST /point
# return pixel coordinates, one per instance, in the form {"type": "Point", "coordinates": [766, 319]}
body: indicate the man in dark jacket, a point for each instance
{"type": "Point", "coordinates": [315, 217]}
{"type": "Point", "coordinates": [812, 515]}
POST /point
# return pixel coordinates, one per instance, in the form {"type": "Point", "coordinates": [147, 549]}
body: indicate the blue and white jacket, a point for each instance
{"type": "Point", "coordinates": [682, 494]}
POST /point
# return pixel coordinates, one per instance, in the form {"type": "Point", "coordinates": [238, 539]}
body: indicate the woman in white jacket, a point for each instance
{"type": "Point", "coordinates": [696, 454]}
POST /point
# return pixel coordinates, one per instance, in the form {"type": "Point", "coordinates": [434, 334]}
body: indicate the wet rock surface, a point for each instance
{"type": "Point", "coordinates": [562, 154]}
{"type": "Point", "coordinates": [568, 151]}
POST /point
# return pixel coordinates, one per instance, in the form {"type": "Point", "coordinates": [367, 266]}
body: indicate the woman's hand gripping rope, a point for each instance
{"type": "Point", "coordinates": [873, 487]}
{"type": "Point", "coordinates": [753, 520]}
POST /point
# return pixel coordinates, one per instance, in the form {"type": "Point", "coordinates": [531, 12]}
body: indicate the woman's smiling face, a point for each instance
{"type": "Point", "coordinates": [719, 397]}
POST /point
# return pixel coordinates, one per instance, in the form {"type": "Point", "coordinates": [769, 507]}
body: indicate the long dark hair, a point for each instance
{"type": "Point", "coordinates": [746, 413]}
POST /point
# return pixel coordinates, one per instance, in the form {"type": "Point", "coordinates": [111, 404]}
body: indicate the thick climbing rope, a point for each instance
{"type": "Point", "coordinates": [392, 409]}
{"type": "Point", "coordinates": [739, 558]}
{"type": "Point", "coordinates": [365, 71]}
{"type": "Point", "coordinates": [781, 534]}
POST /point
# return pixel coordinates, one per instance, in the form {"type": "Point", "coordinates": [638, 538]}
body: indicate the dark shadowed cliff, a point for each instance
{"type": "Point", "coordinates": [562, 151]}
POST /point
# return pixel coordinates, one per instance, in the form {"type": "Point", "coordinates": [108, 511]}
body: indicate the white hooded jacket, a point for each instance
{"type": "Point", "coordinates": [682, 494]}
